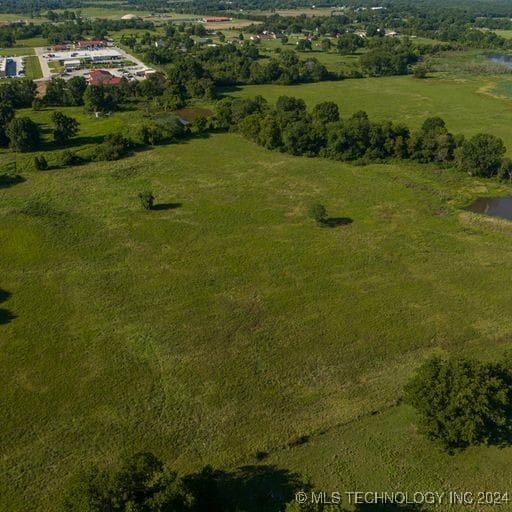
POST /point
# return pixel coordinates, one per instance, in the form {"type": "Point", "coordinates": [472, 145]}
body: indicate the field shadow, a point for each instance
{"type": "Point", "coordinates": [5, 315]}
{"type": "Point", "coordinates": [9, 180]}
{"type": "Point", "coordinates": [248, 488]}
{"type": "Point", "coordinates": [332, 222]}
{"type": "Point", "coordinates": [74, 142]}
{"type": "Point", "coordinates": [226, 90]}
{"type": "Point", "coordinates": [167, 206]}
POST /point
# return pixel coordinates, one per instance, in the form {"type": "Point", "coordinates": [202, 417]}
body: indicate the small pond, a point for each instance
{"type": "Point", "coordinates": [493, 206]}
{"type": "Point", "coordinates": [506, 60]}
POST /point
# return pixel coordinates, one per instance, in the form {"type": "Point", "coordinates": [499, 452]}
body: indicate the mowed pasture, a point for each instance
{"type": "Point", "coordinates": [225, 322]}
{"type": "Point", "coordinates": [467, 103]}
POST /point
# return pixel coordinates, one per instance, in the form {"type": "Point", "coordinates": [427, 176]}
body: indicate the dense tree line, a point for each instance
{"type": "Point", "coordinates": [34, 7]}
{"type": "Point", "coordinates": [196, 70]}
{"type": "Point", "coordinates": [290, 128]}
{"type": "Point", "coordinates": [18, 93]}
{"type": "Point", "coordinates": [72, 29]}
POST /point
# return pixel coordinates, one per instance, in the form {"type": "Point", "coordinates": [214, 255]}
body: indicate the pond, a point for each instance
{"type": "Point", "coordinates": [493, 206]}
{"type": "Point", "coordinates": [506, 60]}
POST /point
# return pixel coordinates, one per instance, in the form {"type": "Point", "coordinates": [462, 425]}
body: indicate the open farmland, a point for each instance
{"type": "Point", "coordinates": [188, 330]}
{"type": "Point", "coordinates": [175, 282]}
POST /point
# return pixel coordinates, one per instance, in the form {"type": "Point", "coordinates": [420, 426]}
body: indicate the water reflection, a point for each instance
{"type": "Point", "coordinates": [493, 206]}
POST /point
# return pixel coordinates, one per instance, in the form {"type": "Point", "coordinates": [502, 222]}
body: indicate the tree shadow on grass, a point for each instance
{"type": "Point", "coordinates": [9, 180]}
{"type": "Point", "coordinates": [248, 488]}
{"type": "Point", "coordinates": [74, 142]}
{"type": "Point", "coordinates": [167, 206]}
{"type": "Point", "coordinates": [5, 315]}
{"type": "Point", "coordinates": [333, 222]}
{"type": "Point", "coordinates": [226, 91]}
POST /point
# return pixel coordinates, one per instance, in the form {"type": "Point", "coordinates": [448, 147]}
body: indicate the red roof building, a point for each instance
{"type": "Point", "coordinates": [90, 44]}
{"type": "Point", "coordinates": [103, 77]}
{"type": "Point", "coordinates": [216, 19]}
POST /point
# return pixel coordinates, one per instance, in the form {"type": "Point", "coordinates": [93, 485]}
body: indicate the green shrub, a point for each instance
{"type": "Point", "coordinates": [318, 213]}
{"type": "Point", "coordinates": [114, 147]}
{"type": "Point", "coordinates": [40, 163]}
{"type": "Point", "coordinates": [147, 199]}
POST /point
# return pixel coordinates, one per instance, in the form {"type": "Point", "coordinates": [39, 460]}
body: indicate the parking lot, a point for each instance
{"type": "Point", "coordinates": [114, 59]}
{"type": "Point", "coordinates": [14, 67]}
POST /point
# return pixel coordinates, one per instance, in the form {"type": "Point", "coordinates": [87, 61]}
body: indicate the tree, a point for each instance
{"type": "Point", "coordinates": [147, 199]}
{"type": "Point", "coordinates": [326, 45]}
{"type": "Point", "coordinates": [300, 138]}
{"type": "Point", "coordinates": [420, 71]}
{"type": "Point", "coordinates": [114, 147]}
{"type": "Point", "coordinates": [462, 402]}
{"type": "Point", "coordinates": [77, 87]}
{"type": "Point", "coordinates": [98, 99]}
{"type": "Point", "coordinates": [433, 143]}
{"type": "Point", "coordinates": [482, 155]}
{"type": "Point", "coordinates": [349, 43]}
{"type": "Point", "coordinates": [65, 127]}
{"type": "Point", "coordinates": [326, 112]}
{"type": "Point", "coordinates": [57, 93]}
{"type": "Point", "coordinates": [40, 163]}
{"type": "Point", "coordinates": [142, 484]}
{"type": "Point", "coordinates": [304, 45]}
{"type": "Point", "coordinates": [23, 134]}
{"type": "Point", "coordinates": [505, 172]}
{"type": "Point", "coordinates": [6, 116]}
{"type": "Point", "coordinates": [318, 213]}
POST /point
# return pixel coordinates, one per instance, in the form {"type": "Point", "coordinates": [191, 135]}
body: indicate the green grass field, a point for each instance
{"type": "Point", "coordinates": [225, 322]}
{"type": "Point", "coordinates": [16, 52]}
{"type": "Point", "coordinates": [33, 67]}
{"type": "Point", "coordinates": [231, 323]}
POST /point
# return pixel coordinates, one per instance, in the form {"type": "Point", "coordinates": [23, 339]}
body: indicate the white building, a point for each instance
{"type": "Point", "coordinates": [72, 64]}
{"type": "Point", "coordinates": [101, 55]}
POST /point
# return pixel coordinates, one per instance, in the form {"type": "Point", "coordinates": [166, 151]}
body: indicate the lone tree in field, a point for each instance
{"type": "Point", "coordinates": [318, 213]}
{"type": "Point", "coordinates": [65, 127]}
{"type": "Point", "coordinates": [463, 402]}
{"type": "Point", "coordinates": [147, 199]}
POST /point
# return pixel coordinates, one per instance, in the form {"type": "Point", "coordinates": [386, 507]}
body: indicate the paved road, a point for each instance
{"type": "Point", "coordinates": [47, 72]}
{"type": "Point", "coordinates": [129, 56]}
